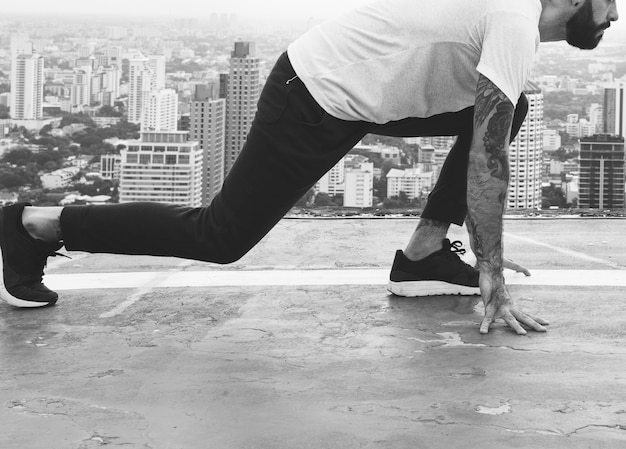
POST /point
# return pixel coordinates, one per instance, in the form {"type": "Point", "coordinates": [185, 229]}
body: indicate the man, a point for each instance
{"type": "Point", "coordinates": [394, 67]}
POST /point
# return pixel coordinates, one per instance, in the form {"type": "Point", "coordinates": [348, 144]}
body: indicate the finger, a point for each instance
{"type": "Point", "coordinates": [514, 324]}
{"type": "Point", "coordinates": [533, 323]}
{"type": "Point", "coordinates": [515, 267]}
{"type": "Point", "coordinates": [484, 326]}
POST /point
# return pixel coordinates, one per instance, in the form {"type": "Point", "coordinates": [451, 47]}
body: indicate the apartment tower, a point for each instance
{"type": "Point", "coordinates": [601, 183]}
{"type": "Point", "coordinates": [161, 111]}
{"type": "Point", "coordinates": [27, 84]}
{"type": "Point", "coordinates": [525, 155]}
{"type": "Point", "coordinates": [207, 126]}
{"type": "Point", "coordinates": [613, 114]}
{"type": "Point", "coordinates": [243, 93]}
{"type": "Point", "coordinates": [144, 76]}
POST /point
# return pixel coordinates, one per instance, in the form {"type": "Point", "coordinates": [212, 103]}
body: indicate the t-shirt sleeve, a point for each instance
{"type": "Point", "coordinates": [509, 47]}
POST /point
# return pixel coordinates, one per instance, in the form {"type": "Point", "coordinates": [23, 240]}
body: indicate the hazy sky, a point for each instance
{"type": "Point", "coordinates": [198, 8]}
{"type": "Point", "coordinates": [182, 7]}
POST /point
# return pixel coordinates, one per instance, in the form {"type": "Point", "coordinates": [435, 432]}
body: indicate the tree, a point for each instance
{"type": "Point", "coordinates": [552, 196]}
{"type": "Point", "coordinates": [19, 156]}
{"type": "Point", "coordinates": [108, 111]}
{"type": "Point", "coordinates": [81, 117]}
{"type": "Point", "coordinates": [392, 203]}
{"type": "Point", "coordinates": [45, 130]}
{"type": "Point", "coordinates": [380, 187]}
{"type": "Point", "coordinates": [323, 199]}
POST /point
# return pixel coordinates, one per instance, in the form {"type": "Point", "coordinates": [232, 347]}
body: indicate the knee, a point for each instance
{"type": "Point", "coordinates": [227, 257]}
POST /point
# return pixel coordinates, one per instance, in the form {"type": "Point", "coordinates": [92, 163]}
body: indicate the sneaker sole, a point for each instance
{"type": "Point", "coordinates": [12, 300]}
{"type": "Point", "coordinates": [430, 288]}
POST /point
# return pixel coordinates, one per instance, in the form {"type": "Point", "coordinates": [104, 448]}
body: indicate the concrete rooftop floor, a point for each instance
{"type": "Point", "coordinates": [299, 345]}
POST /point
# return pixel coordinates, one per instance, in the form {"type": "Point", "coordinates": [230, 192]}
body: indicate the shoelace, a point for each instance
{"type": "Point", "coordinates": [455, 249]}
{"type": "Point", "coordinates": [43, 261]}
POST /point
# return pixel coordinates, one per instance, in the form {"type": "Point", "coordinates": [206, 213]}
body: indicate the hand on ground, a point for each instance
{"type": "Point", "coordinates": [499, 304]}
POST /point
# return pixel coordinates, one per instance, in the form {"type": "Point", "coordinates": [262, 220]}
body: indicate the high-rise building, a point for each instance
{"type": "Point", "coordinates": [207, 126]}
{"type": "Point", "coordinates": [114, 56]}
{"type": "Point", "coordinates": [596, 112]}
{"type": "Point", "coordinates": [162, 167]}
{"type": "Point", "coordinates": [613, 114]}
{"type": "Point", "coordinates": [139, 85]}
{"type": "Point", "coordinates": [80, 91]}
{"type": "Point", "coordinates": [27, 87]}
{"type": "Point", "coordinates": [105, 85]}
{"type": "Point", "coordinates": [160, 111]}
{"type": "Point", "coordinates": [156, 64]}
{"type": "Point", "coordinates": [243, 94]}
{"type": "Point", "coordinates": [601, 183]}
{"type": "Point", "coordinates": [144, 76]}
{"type": "Point", "coordinates": [526, 154]}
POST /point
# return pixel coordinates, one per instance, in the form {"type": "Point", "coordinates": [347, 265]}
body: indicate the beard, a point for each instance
{"type": "Point", "coordinates": [582, 31]}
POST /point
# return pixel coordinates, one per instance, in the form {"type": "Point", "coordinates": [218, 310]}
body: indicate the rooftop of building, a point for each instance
{"type": "Point", "coordinates": [299, 345]}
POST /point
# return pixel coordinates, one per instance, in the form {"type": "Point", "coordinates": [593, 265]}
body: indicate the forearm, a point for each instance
{"type": "Point", "coordinates": [485, 200]}
{"type": "Point", "coordinates": [488, 177]}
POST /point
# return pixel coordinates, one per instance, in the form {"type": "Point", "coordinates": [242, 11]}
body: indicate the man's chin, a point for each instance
{"type": "Point", "coordinates": [587, 44]}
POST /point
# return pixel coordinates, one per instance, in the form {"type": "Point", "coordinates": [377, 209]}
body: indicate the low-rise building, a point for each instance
{"type": "Point", "coordinates": [359, 185]}
{"type": "Point", "coordinates": [413, 182]}
{"type": "Point", "coordinates": [59, 179]}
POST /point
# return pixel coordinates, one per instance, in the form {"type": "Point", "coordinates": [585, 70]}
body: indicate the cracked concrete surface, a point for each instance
{"type": "Point", "coordinates": [322, 366]}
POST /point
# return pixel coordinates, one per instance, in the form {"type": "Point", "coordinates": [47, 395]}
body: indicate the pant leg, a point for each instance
{"type": "Point", "coordinates": [447, 201]}
{"type": "Point", "coordinates": [291, 144]}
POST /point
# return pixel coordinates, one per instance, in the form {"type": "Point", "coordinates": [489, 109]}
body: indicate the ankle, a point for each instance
{"type": "Point", "coordinates": [425, 249]}
{"type": "Point", "coordinates": [43, 223]}
{"type": "Point", "coordinates": [427, 239]}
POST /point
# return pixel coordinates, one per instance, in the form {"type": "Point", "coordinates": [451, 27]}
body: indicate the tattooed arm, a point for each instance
{"type": "Point", "coordinates": [487, 184]}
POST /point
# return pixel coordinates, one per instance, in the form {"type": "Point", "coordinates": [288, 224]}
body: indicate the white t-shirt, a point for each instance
{"type": "Point", "coordinates": [395, 59]}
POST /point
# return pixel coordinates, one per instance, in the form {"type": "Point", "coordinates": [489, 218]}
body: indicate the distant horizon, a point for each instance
{"type": "Point", "coordinates": [266, 9]}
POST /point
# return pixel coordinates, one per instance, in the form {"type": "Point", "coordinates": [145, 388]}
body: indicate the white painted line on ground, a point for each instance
{"type": "Point", "coordinates": [178, 279]}
{"type": "Point", "coordinates": [156, 280]}
{"type": "Point", "coordinates": [567, 252]}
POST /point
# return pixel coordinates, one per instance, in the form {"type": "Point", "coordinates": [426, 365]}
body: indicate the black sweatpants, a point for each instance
{"type": "Point", "coordinates": [292, 143]}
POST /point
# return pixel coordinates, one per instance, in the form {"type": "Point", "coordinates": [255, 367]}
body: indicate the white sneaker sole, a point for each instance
{"type": "Point", "coordinates": [430, 288]}
{"type": "Point", "coordinates": [12, 300]}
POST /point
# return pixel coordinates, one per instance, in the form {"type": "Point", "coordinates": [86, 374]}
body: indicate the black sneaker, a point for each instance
{"type": "Point", "coordinates": [22, 262]}
{"type": "Point", "coordinates": [441, 273]}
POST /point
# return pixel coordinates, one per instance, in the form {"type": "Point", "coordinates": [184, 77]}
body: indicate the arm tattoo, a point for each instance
{"type": "Point", "coordinates": [487, 97]}
{"type": "Point", "coordinates": [495, 140]}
